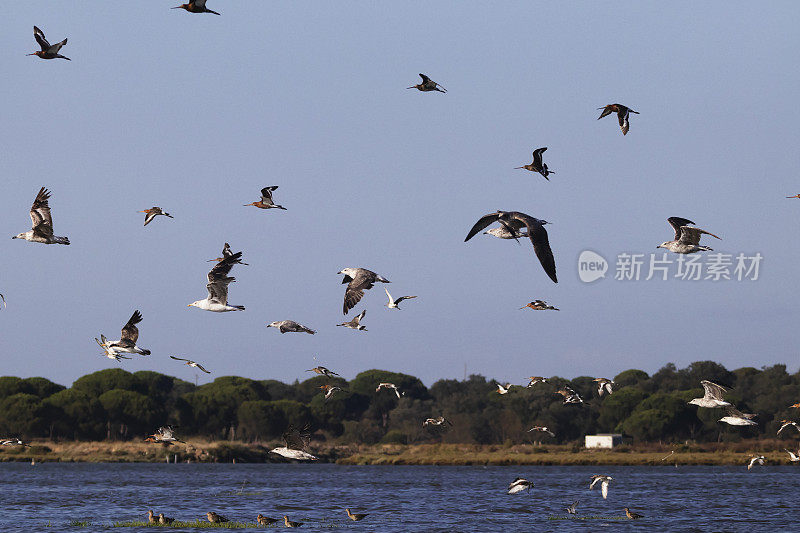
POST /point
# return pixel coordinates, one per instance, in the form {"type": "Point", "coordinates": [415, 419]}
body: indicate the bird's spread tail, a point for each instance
{"type": "Point", "coordinates": [239, 307]}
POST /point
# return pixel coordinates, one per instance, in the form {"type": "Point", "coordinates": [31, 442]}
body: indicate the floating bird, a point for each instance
{"type": "Point", "coordinates": [151, 517]}
{"type": "Point", "coordinates": [392, 304]}
{"type": "Point", "coordinates": [755, 459]}
{"type": "Point", "coordinates": [109, 352]}
{"type": "Point", "coordinates": [687, 238]}
{"type": "Point", "coordinates": [215, 518]}
{"type": "Point", "coordinates": [738, 418]}
{"type": "Point", "coordinates": [570, 396]}
{"type": "Point", "coordinates": [604, 385]}
{"type": "Point", "coordinates": [712, 396]}
{"type": "Point", "coordinates": [41, 222]}
{"type": "Point", "coordinates": [323, 371]}
{"type": "Point", "coordinates": [163, 520]}
{"type": "Point", "coordinates": [436, 421]}
{"type": "Point", "coordinates": [165, 434]}
{"type": "Point", "coordinates": [630, 514]}
{"type": "Point", "coordinates": [14, 441]}
{"type": "Point", "coordinates": [535, 379]}
{"type": "Point", "coordinates": [390, 386]}
{"type": "Point", "coordinates": [356, 322]}
{"type": "Point", "coordinates": [296, 443]}
{"type": "Point", "coordinates": [266, 199]}
{"type": "Point", "coordinates": [218, 281]}
{"type": "Point", "coordinates": [573, 509]}
{"type": "Point", "coordinates": [195, 6]}
{"type": "Point", "coordinates": [152, 213]}
{"type": "Point", "coordinates": [48, 51]}
{"type": "Point", "coordinates": [355, 517]}
{"type": "Point", "coordinates": [792, 456]}
{"type": "Point", "coordinates": [501, 389]}
{"type": "Point", "coordinates": [427, 85]}
{"type": "Point", "coordinates": [787, 423]}
{"type": "Point", "coordinates": [622, 114]}
{"type": "Point", "coordinates": [537, 165]}
{"type": "Point", "coordinates": [329, 390]}
{"type": "Point", "coordinates": [604, 481]}
{"type": "Point", "coordinates": [513, 221]}
{"type": "Point", "coordinates": [130, 334]}
{"type": "Point", "coordinates": [290, 326]}
{"type": "Point", "coordinates": [226, 252]}
{"type": "Point", "coordinates": [358, 280]}
{"type": "Point", "coordinates": [503, 233]}
{"type": "Point", "coordinates": [518, 485]}
{"type": "Point", "coordinates": [189, 362]}
{"type": "Point", "coordinates": [265, 521]}
{"type": "Point", "coordinates": [289, 523]}
{"type": "Point", "coordinates": [542, 429]}
{"type": "Point", "coordinates": [540, 305]}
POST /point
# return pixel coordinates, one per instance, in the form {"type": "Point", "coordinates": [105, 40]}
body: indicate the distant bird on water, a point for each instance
{"type": "Point", "coordinates": [41, 222]}
{"type": "Point", "coordinates": [391, 386]}
{"type": "Point", "coordinates": [290, 326]}
{"type": "Point", "coordinates": [215, 518]}
{"type": "Point", "coordinates": [734, 417]}
{"type": "Point", "coordinates": [164, 520]}
{"type": "Point", "coordinates": [687, 238]}
{"type": "Point", "coordinates": [152, 213]}
{"type": "Point", "coordinates": [266, 199]}
{"type": "Point", "coordinates": [358, 280]}
{"type": "Point", "coordinates": [622, 114]}
{"type": "Point", "coordinates": [518, 485]}
{"type": "Point", "coordinates": [540, 305]}
{"type": "Point", "coordinates": [392, 303]}
{"type": "Point", "coordinates": [513, 221]}
{"type": "Point", "coordinates": [787, 423]}
{"type": "Point", "coordinates": [438, 421]}
{"type": "Point", "coordinates": [355, 517]}
{"type": "Point", "coordinates": [48, 51]}
{"type": "Point", "coordinates": [195, 6]}
{"type": "Point", "coordinates": [130, 334]}
{"type": "Point", "coordinates": [289, 523]}
{"type": "Point", "coordinates": [356, 322]}
{"type": "Point", "coordinates": [218, 281]}
{"type": "Point", "coordinates": [265, 521]}
{"type": "Point", "coordinates": [604, 481]}
{"type": "Point", "coordinates": [537, 165]}
{"type": "Point", "coordinates": [712, 396]}
{"type": "Point", "coordinates": [297, 441]}
{"type": "Point", "coordinates": [189, 362]}
{"type": "Point", "coordinates": [633, 516]}
{"type": "Point", "coordinates": [226, 252]}
{"type": "Point", "coordinates": [322, 371]}
{"type": "Point", "coordinates": [604, 385]}
{"type": "Point", "coordinates": [427, 85]}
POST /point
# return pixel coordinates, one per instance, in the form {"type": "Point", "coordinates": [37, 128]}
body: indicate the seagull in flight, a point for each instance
{"type": "Point", "coordinates": [502, 233]}
{"type": "Point", "coordinates": [604, 385]}
{"type": "Point", "coordinates": [358, 280]}
{"type": "Point", "coordinates": [195, 6]}
{"type": "Point", "coordinates": [391, 386]}
{"type": "Point", "coordinates": [296, 443]}
{"type": "Point", "coordinates": [427, 85]}
{"type": "Point", "coordinates": [518, 485]}
{"type": "Point", "coordinates": [322, 371]}
{"type": "Point", "coordinates": [189, 362]}
{"type": "Point", "coordinates": [537, 165]}
{"type": "Point", "coordinates": [152, 213]}
{"type": "Point", "coordinates": [266, 199]}
{"type": "Point", "coordinates": [48, 51]}
{"type": "Point", "coordinates": [218, 281]}
{"type": "Point", "coordinates": [130, 334]}
{"type": "Point", "coordinates": [687, 238]}
{"type": "Point", "coordinates": [109, 352]}
{"type": "Point", "coordinates": [513, 221]}
{"type": "Point", "coordinates": [392, 304]}
{"type": "Point", "coordinates": [793, 457]}
{"type": "Point", "coordinates": [290, 326]}
{"type": "Point", "coordinates": [41, 222]}
{"type": "Point", "coordinates": [787, 423]}
{"type": "Point", "coordinates": [735, 417]}
{"type": "Point", "coordinates": [622, 114]}
{"type": "Point", "coordinates": [712, 396]}
{"type": "Point", "coordinates": [604, 481]}
{"type": "Point", "coordinates": [356, 322]}
{"type": "Point", "coordinates": [755, 459]}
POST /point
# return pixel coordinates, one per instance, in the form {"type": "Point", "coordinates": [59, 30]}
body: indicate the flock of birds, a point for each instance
{"type": "Point", "coordinates": [512, 225]}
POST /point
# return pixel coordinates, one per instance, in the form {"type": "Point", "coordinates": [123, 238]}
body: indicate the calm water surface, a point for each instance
{"type": "Point", "coordinates": [48, 496]}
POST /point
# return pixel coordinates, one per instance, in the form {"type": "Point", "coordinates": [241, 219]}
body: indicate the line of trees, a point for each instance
{"type": "Point", "coordinates": [115, 404]}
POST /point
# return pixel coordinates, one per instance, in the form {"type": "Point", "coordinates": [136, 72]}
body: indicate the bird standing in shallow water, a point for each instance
{"type": "Point", "coordinates": [537, 165]}
{"type": "Point", "coordinates": [355, 517]}
{"type": "Point", "coordinates": [622, 114]}
{"type": "Point", "coordinates": [289, 523]}
{"type": "Point", "coordinates": [195, 6]}
{"type": "Point", "coordinates": [427, 85]}
{"type": "Point", "coordinates": [215, 518]}
{"type": "Point", "coordinates": [265, 521]}
{"type": "Point", "coordinates": [48, 51]}
{"type": "Point", "coordinates": [164, 520]}
{"type": "Point", "coordinates": [630, 514]}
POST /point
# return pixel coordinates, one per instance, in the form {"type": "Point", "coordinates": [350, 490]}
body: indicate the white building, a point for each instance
{"type": "Point", "coordinates": [603, 440]}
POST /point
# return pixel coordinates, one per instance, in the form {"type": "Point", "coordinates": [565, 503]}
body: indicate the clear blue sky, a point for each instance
{"type": "Point", "coordinates": [195, 113]}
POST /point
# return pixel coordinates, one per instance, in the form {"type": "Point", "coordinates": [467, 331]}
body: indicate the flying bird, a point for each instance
{"type": "Point", "coordinates": [792, 456]}
{"type": "Point", "coordinates": [355, 517]}
{"type": "Point", "coordinates": [296, 443]}
{"type": "Point", "coordinates": [533, 380]}
{"type": "Point", "coordinates": [323, 371]}
{"type": "Point", "coordinates": [438, 421]}
{"type": "Point", "coordinates": [503, 389]}
{"type": "Point", "coordinates": [537, 165]}
{"type": "Point", "coordinates": [795, 196]}
{"type": "Point", "coordinates": [604, 481]}
{"type": "Point", "coordinates": [735, 417]}
{"type": "Point", "coordinates": [41, 222]}
{"type": "Point", "coordinates": [226, 252]}
{"type": "Point", "coordinates": [265, 521]}
{"type": "Point", "coordinates": [215, 518]}
{"type": "Point", "coordinates": [542, 429]}
{"type": "Point", "coordinates": [518, 485]}
{"type": "Point", "coordinates": [503, 233]}
{"type": "Point", "coordinates": [152, 213]}
{"type": "Point", "coordinates": [392, 303]}
{"type": "Point", "coordinates": [570, 396]}
{"type": "Point", "coordinates": [427, 85]}
{"type": "Point", "coordinates": [109, 352]}
{"type": "Point", "coordinates": [289, 523]}
{"type": "Point", "coordinates": [195, 6]}
{"type": "Point", "coordinates": [290, 326]}
{"type": "Point", "coordinates": [218, 281]}
{"type": "Point", "coordinates": [540, 305]}
{"type": "Point", "coordinates": [266, 199]}
{"type": "Point", "coordinates": [604, 385]}
{"type": "Point", "coordinates": [391, 386]}
{"type": "Point", "coordinates": [165, 435]}
{"type": "Point", "coordinates": [755, 459]}
{"type": "Point", "coordinates": [622, 114]}
{"type": "Point", "coordinates": [630, 514]}
{"type": "Point", "coordinates": [330, 390]}
{"type": "Point", "coordinates": [14, 441]}
{"type": "Point", "coordinates": [130, 334]}
{"type": "Point", "coordinates": [358, 280]}
{"type": "Point", "coordinates": [513, 221]}
{"type": "Point", "coordinates": [687, 238]}
{"type": "Point", "coordinates": [189, 362]}
{"type": "Point", "coordinates": [356, 322]}
{"type": "Point", "coordinates": [787, 423]}
{"type": "Point", "coordinates": [573, 509]}
{"type": "Point", "coordinates": [48, 51]}
{"type": "Point", "coordinates": [795, 406]}
{"type": "Point", "coordinates": [712, 396]}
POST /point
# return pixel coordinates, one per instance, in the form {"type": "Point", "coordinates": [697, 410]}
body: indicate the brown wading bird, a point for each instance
{"type": "Point", "coordinates": [264, 520]}
{"type": "Point", "coordinates": [533, 380]}
{"type": "Point", "coordinates": [439, 421]}
{"type": "Point", "coordinates": [622, 114]}
{"type": "Point", "coordinates": [427, 85]}
{"type": "Point", "coordinates": [152, 213]}
{"type": "Point", "coordinates": [195, 6]}
{"type": "Point", "coordinates": [289, 523]}
{"type": "Point", "coordinates": [48, 51]}
{"type": "Point", "coordinates": [322, 371]}
{"type": "Point", "coordinates": [215, 518]}
{"type": "Point", "coordinates": [266, 199]}
{"type": "Point", "coordinates": [226, 252]}
{"type": "Point", "coordinates": [151, 518]}
{"type": "Point", "coordinates": [355, 517]}
{"type": "Point", "coordinates": [41, 222]}
{"type": "Point", "coordinates": [630, 514]}
{"type": "Point", "coordinates": [537, 165]}
{"type": "Point", "coordinates": [164, 520]}
{"type": "Point", "coordinates": [570, 396]}
{"type": "Point", "coordinates": [540, 305]}
{"type": "Point", "coordinates": [330, 390]}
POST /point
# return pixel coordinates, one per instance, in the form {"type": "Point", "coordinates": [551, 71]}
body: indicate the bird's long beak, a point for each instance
{"type": "Point", "coordinates": [519, 167]}
{"type": "Point", "coordinates": [33, 54]}
{"type": "Point", "coordinates": [412, 87]}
